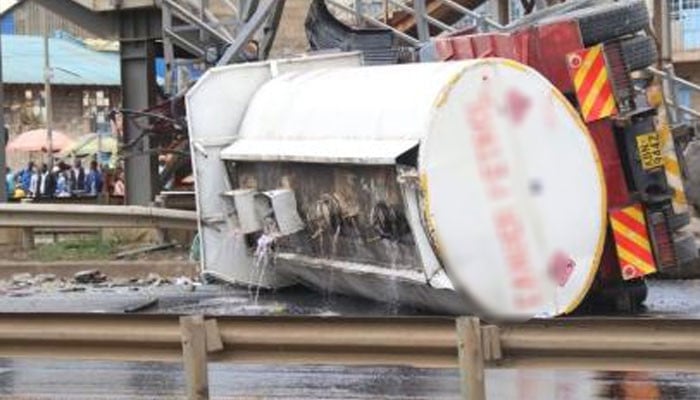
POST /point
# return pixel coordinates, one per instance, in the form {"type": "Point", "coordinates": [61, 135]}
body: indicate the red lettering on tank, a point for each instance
{"type": "Point", "coordinates": [492, 166]}
{"type": "Point", "coordinates": [494, 173]}
{"type": "Point", "coordinates": [517, 105]}
{"type": "Point", "coordinates": [511, 235]}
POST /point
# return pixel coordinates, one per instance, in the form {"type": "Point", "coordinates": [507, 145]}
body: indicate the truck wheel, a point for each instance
{"type": "Point", "coordinates": [639, 52]}
{"type": "Point", "coordinates": [607, 21]}
{"type": "Point", "coordinates": [623, 297]}
{"type": "Point", "coordinates": [631, 296]}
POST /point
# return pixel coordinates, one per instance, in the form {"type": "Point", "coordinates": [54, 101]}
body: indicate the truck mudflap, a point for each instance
{"type": "Point", "coordinates": [632, 243]}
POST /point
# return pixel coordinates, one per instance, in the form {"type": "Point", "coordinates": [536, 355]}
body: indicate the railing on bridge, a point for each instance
{"type": "Point", "coordinates": [217, 31]}
{"type": "Point", "coordinates": [414, 21]}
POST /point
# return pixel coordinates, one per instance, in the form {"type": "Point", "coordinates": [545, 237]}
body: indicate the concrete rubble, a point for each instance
{"type": "Point", "coordinates": [24, 284]}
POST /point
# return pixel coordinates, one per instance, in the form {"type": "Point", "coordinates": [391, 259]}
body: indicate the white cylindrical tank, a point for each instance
{"type": "Point", "coordinates": [512, 192]}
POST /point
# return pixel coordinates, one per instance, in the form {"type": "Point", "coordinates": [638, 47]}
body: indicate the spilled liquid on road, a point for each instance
{"type": "Point", "coordinates": [38, 379]}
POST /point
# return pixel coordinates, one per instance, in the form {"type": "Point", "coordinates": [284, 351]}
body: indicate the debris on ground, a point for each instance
{"type": "Point", "coordinates": [43, 278]}
{"type": "Point", "coordinates": [90, 276]}
{"type": "Point", "coordinates": [142, 306]}
{"type": "Point", "coordinates": [22, 277]}
{"type": "Point", "coordinates": [153, 279]}
{"type": "Point", "coordinates": [25, 283]}
{"type": "Point", "coordinates": [144, 250]}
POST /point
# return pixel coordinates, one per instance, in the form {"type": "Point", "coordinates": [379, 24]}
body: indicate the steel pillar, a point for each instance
{"type": "Point", "coordinates": [421, 21]}
{"type": "Point", "coordinates": [503, 11]}
{"type": "Point", "coordinates": [138, 84]}
{"type": "Point", "coordinates": [138, 30]}
{"type": "Point", "coordinates": [3, 161]}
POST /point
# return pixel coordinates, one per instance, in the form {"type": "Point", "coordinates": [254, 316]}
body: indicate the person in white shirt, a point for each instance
{"type": "Point", "coordinates": [34, 183]}
{"type": "Point", "coordinates": [44, 181]}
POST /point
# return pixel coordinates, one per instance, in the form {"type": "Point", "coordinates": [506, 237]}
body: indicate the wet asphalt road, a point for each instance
{"type": "Point", "coordinates": [48, 379]}
{"type": "Point", "coordinates": [39, 379]}
{"type": "Point", "coordinates": [667, 298]}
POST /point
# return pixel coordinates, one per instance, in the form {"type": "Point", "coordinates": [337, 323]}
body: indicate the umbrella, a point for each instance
{"type": "Point", "coordinates": [37, 140]}
{"type": "Point", "coordinates": [88, 145]}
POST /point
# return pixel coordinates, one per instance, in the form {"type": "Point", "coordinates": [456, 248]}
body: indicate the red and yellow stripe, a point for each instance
{"type": "Point", "coordinates": [589, 73]}
{"type": "Point", "coordinates": [632, 242]}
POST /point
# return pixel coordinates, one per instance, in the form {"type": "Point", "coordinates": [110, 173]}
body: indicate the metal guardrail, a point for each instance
{"type": "Point", "coordinates": [671, 83]}
{"type": "Point", "coordinates": [93, 216]}
{"type": "Point", "coordinates": [595, 343]}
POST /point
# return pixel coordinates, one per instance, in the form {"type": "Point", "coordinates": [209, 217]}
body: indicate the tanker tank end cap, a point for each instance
{"type": "Point", "coordinates": [497, 167]}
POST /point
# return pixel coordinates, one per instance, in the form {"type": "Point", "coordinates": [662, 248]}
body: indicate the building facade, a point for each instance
{"type": "Point", "coordinates": [85, 82]}
{"type": "Point", "coordinates": [29, 18]}
{"type": "Point", "coordinates": [685, 39]}
{"type": "Point", "coordinates": [85, 86]}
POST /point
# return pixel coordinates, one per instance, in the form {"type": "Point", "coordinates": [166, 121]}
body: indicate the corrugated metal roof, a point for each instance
{"type": "Point", "coordinates": [72, 62]}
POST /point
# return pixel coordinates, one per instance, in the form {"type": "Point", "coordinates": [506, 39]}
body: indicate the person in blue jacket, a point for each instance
{"type": "Point", "coordinates": [25, 176]}
{"type": "Point", "coordinates": [93, 180]}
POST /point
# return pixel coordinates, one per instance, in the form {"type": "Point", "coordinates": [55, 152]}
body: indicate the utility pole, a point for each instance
{"type": "Point", "coordinates": [3, 161]}
{"type": "Point", "coordinates": [47, 93]}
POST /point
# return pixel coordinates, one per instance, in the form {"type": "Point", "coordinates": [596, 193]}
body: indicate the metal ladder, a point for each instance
{"type": "Point", "coordinates": [421, 18]}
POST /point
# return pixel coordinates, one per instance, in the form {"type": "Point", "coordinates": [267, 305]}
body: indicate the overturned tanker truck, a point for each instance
{"type": "Point", "coordinates": [462, 186]}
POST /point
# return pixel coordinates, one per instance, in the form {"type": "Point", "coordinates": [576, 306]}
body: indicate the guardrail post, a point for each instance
{"type": "Point", "coordinates": [27, 238]}
{"type": "Point", "coordinates": [194, 356]}
{"type": "Point", "coordinates": [471, 358]}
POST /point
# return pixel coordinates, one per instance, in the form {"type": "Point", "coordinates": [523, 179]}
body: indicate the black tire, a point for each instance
{"type": "Point", "coordinates": [610, 21]}
{"type": "Point", "coordinates": [631, 296]}
{"type": "Point", "coordinates": [607, 21]}
{"type": "Point", "coordinates": [639, 52]}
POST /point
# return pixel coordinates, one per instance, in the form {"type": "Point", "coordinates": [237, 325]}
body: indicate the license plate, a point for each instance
{"type": "Point", "coordinates": [649, 148]}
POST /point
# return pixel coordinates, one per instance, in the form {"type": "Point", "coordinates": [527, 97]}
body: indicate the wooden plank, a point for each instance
{"type": "Point", "coordinates": [214, 342]}
{"type": "Point", "coordinates": [194, 356]}
{"type": "Point", "coordinates": [27, 238]}
{"type": "Point", "coordinates": [471, 358]}
{"type": "Point", "coordinates": [491, 343]}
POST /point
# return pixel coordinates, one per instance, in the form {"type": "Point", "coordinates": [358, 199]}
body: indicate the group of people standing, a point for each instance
{"type": "Point", "coordinates": [62, 181]}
